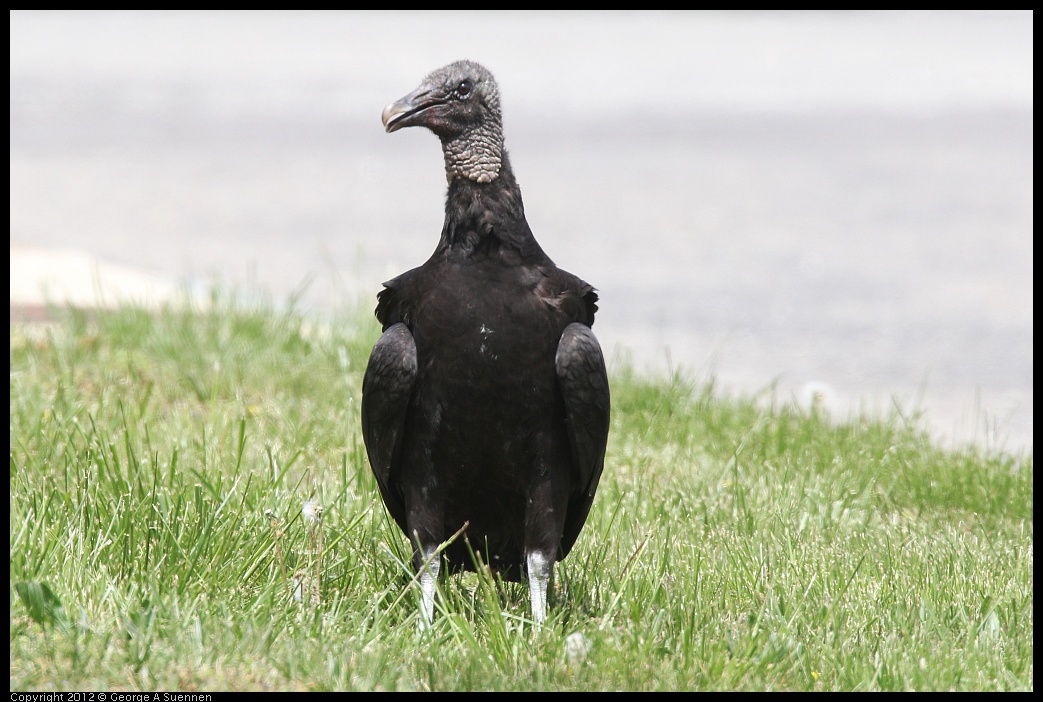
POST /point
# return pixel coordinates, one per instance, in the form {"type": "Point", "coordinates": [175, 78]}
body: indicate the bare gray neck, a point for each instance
{"type": "Point", "coordinates": [476, 155]}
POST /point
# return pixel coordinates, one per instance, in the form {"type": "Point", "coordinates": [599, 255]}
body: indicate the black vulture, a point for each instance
{"type": "Point", "coordinates": [485, 404]}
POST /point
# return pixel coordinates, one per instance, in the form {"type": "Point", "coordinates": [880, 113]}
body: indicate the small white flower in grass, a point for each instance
{"type": "Point", "coordinates": [577, 646]}
{"type": "Point", "coordinates": [312, 511]}
{"type": "Point", "coordinates": [816, 396]}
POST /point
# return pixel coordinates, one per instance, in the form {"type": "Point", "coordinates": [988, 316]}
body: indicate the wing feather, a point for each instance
{"type": "Point", "coordinates": [386, 391]}
{"type": "Point", "coordinates": [583, 381]}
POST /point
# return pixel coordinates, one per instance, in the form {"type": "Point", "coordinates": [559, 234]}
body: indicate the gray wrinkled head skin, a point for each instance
{"type": "Point", "coordinates": [460, 103]}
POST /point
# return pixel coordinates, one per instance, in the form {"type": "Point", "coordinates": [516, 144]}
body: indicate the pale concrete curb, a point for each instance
{"type": "Point", "coordinates": [43, 278]}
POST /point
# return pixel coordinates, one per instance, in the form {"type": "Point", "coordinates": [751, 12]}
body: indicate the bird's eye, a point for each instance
{"type": "Point", "coordinates": [464, 89]}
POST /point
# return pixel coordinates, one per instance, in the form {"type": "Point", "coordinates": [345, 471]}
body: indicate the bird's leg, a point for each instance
{"type": "Point", "coordinates": [429, 566]}
{"type": "Point", "coordinates": [540, 570]}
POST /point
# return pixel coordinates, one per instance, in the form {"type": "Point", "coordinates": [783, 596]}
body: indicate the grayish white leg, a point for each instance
{"type": "Point", "coordinates": [540, 570]}
{"type": "Point", "coordinates": [428, 578]}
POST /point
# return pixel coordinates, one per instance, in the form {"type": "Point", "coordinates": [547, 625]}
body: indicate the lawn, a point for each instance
{"type": "Point", "coordinates": [192, 509]}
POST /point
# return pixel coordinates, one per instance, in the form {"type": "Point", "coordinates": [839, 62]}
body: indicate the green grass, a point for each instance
{"type": "Point", "coordinates": [159, 465]}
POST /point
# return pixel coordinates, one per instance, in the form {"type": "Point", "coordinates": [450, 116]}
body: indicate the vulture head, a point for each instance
{"type": "Point", "coordinates": [460, 103]}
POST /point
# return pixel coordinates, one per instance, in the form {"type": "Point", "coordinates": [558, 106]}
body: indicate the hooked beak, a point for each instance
{"type": "Point", "coordinates": [408, 111]}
